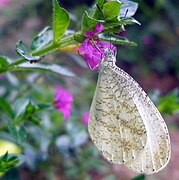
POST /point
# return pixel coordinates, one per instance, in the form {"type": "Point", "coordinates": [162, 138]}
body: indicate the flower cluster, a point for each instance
{"type": "Point", "coordinates": [63, 100]}
{"type": "Point", "coordinates": [92, 49]}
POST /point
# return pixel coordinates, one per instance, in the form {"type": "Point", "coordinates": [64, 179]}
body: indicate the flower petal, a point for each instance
{"type": "Point", "coordinates": [99, 27]}
{"type": "Point", "coordinates": [63, 99]}
{"type": "Point", "coordinates": [93, 52]}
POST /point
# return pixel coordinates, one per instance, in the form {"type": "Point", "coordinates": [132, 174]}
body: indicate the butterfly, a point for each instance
{"type": "Point", "coordinates": [124, 124]}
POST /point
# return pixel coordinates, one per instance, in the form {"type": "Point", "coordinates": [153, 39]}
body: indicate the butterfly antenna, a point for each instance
{"type": "Point", "coordinates": [126, 13]}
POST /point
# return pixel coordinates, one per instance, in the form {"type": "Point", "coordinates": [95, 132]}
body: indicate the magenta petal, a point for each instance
{"type": "Point", "coordinates": [85, 117]}
{"type": "Point", "coordinates": [93, 49]}
{"type": "Point", "coordinates": [99, 27]}
{"type": "Point", "coordinates": [91, 54]}
{"type": "Point", "coordinates": [63, 100]}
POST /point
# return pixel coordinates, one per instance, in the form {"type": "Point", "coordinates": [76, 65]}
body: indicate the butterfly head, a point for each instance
{"type": "Point", "coordinates": [110, 56]}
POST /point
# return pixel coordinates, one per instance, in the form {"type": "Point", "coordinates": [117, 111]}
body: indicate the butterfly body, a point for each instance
{"type": "Point", "coordinates": [124, 123]}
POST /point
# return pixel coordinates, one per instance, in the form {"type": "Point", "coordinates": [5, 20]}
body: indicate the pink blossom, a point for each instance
{"type": "Point", "coordinates": [4, 3]}
{"type": "Point", "coordinates": [63, 100]}
{"type": "Point", "coordinates": [85, 117]}
{"type": "Point", "coordinates": [92, 49]}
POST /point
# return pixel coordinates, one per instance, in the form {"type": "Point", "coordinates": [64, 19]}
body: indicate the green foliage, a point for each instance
{"type": "Point", "coordinates": [111, 10]}
{"type": "Point", "coordinates": [47, 67]}
{"type": "Point", "coordinates": [6, 107]}
{"type": "Point", "coordinates": [139, 177]}
{"type": "Point", "coordinates": [60, 21]}
{"type": "Point", "coordinates": [25, 52]}
{"type": "Point", "coordinates": [117, 40]}
{"type": "Point", "coordinates": [3, 62]}
{"type": "Point", "coordinates": [7, 162]}
{"type": "Point", "coordinates": [44, 38]}
{"type": "Point", "coordinates": [169, 104]}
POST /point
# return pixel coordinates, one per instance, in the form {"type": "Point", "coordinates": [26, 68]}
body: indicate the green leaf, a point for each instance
{"type": "Point", "coordinates": [89, 22]}
{"type": "Point", "coordinates": [100, 3]}
{"type": "Point", "coordinates": [44, 106]}
{"type": "Point", "coordinates": [4, 157]}
{"type": "Point", "coordinates": [25, 52]}
{"type": "Point", "coordinates": [10, 161]}
{"type": "Point", "coordinates": [35, 120]}
{"type": "Point", "coordinates": [111, 9]}
{"type": "Point", "coordinates": [169, 104]}
{"type": "Point", "coordinates": [3, 62]}
{"type": "Point", "coordinates": [18, 134]}
{"type": "Point", "coordinates": [61, 21]}
{"type": "Point", "coordinates": [128, 21]}
{"type": "Point", "coordinates": [6, 107]}
{"type": "Point", "coordinates": [139, 177]}
{"type": "Point", "coordinates": [44, 38]}
{"type": "Point", "coordinates": [12, 129]}
{"type": "Point", "coordinates": [47, 67]}
{"type": "Point", "coordinates": [20, 106]}
{"type": "Point", "coordinates": [128, 8]}
{"type": "Point", "coordinates": [22, 134]}
{"type": "Point", "coordinates": [118, 40]}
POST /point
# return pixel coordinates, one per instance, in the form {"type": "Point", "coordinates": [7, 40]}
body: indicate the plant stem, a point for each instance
{"type": "Point", "coordinates": [54, 46]}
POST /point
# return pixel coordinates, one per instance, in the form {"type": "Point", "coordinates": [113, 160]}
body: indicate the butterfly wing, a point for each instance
{"type": "Point", "coordinates": [157, 150]}
{"type": "Point", "coordinates": [115, 125]}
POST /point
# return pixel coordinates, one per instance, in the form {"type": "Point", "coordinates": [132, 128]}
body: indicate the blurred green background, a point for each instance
{"type": "Point", "coordinates": [60, 150]}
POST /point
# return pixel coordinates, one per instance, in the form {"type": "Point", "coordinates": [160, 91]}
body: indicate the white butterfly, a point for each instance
{"type": "Point", "coordinates": [124, 124]}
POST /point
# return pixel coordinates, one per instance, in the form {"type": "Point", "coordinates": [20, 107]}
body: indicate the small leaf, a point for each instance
{"type": "Point", "coordinates": [139, 177]}
{"type": "Point", "coordinates": [129, 20]}
{"type": "Point", "coordinates": [42, 39]}
{"type": "Point", "coordinates": [111, 9]}
{"type": "Point", "coordinates": [12, 158]}
{"type": "Point", "coordinates": [100, 3]}
{"type": "Point", "coordinates": [169, 104]}
{"type": "Point", "coordinates": [4, 157]}
{"type": "Point", "coordinates": [53, 68]}
{"type": "Point", "coordinates": [10, 161]}
{"type": "Point", "coordinates": [89, 23]}
{"type": "Point", "coordinates": [20, 106]}
{"type": "Point", "coordinates": [22, 134]}
{"type": "Point", "coordinates": [35, 120]}
{"type": "Point", "coordinates": [128, 8]}
{"type": "Point", "coordinates": [25, 52]}
{"type": "Point", "coordinates": [12, 129]}
{"type": "Point", "coordinates": [3, 62]}
{"type": "Point", "coordinates": [61, 21]}
{"type": "Point", "coordinates": [43, 106]}
{"type": "Point", "coordinates": [118, 40]}
{"type": "Point", "coordinates": [6, 107]}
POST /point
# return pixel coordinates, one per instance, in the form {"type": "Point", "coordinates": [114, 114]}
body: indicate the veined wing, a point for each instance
{"type": "Point", "coordinates": [115, 125]}
{"type": "Point", "coordinates": [157, 150]}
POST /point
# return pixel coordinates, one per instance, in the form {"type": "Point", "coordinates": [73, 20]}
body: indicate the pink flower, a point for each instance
{"type": "Point", "coordinates": [85, 118]}
{"type": "Point", "coordinates": [63, 100]}
{"type": "Point", "coordinates": [92, 49]}
{"type": "Point", "coordinates": [4, 3]}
